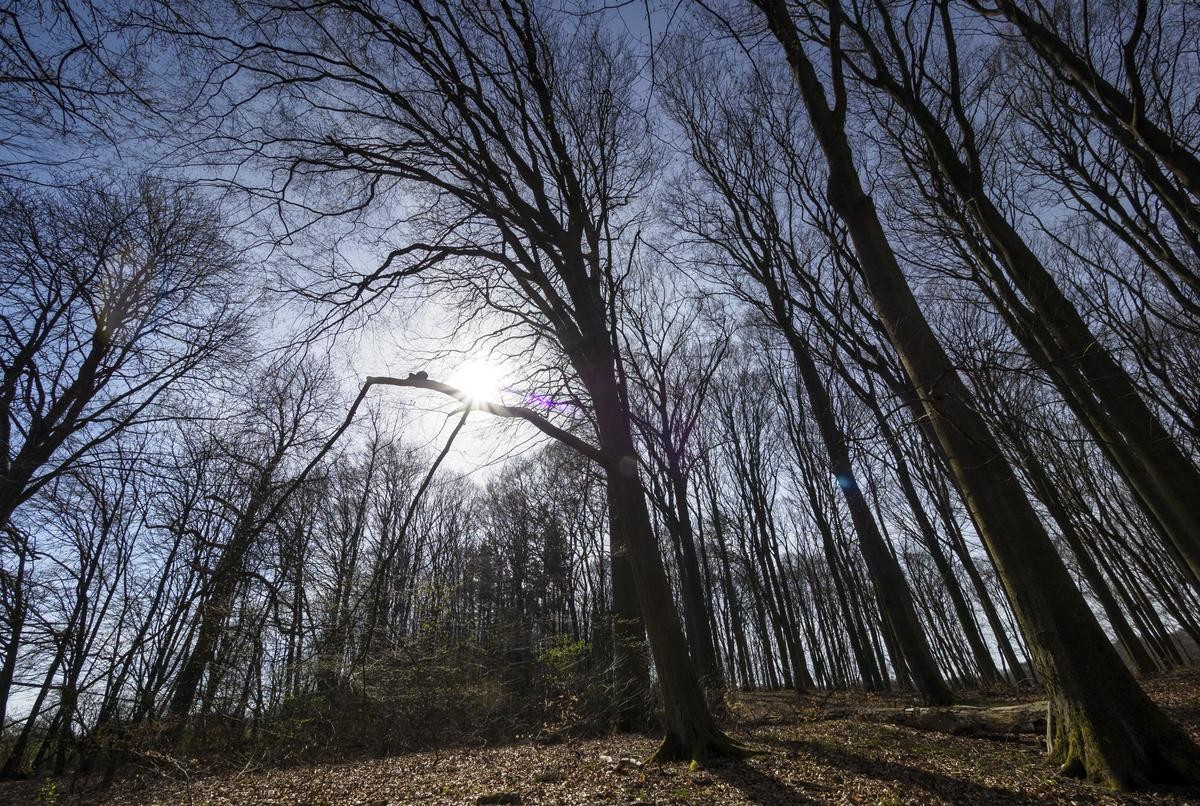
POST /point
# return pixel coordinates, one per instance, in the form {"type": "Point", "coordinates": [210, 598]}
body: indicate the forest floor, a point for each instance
{"type": "Point", "coordinates": [819, 749]}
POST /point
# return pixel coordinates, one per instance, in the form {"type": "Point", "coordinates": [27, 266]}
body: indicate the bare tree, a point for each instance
{"type": "Point", "coordinates": [112, 300]}
{"type": "Point", "coordinates": [523, 148]}
{"type": "Point", "coordinates": [742, 207]}
{"type": "Point", "coordinates": [672, 364]}
{"type": "Point", "coordinates": [258, 455]}
{"type": "Point", "coordinates": [1144, 451]}
{"type": "Point", "coordinates": [71, 78]}
{"type": "Point", "coordinates": [1103, 725]}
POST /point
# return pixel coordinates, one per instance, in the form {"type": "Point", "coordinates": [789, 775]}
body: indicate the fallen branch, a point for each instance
{"type": "Point", "coordinates": [960, 720]}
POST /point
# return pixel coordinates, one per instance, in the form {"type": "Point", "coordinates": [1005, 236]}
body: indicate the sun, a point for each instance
{"type": "Point", "coordinates": [479, 380]}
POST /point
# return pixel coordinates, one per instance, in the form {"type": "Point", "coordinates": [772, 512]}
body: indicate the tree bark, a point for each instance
{"type": "Point", "coordinates": [1102, 724]}
{"type": "Point", "coordinates": [631, 671]}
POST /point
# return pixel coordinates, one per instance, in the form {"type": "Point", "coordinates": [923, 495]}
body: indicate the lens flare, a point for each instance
{"type": "Point", "coordinates": [480, 381]}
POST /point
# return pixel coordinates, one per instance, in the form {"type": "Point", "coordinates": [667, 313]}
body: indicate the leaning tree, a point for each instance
{"type": "Point", "coordinates": [1102, 724]}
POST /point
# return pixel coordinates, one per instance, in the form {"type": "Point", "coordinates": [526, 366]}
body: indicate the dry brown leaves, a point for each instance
{"type": "Point", "coordinates": [805, 758]}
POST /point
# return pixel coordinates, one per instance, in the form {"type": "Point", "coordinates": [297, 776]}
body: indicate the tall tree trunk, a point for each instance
{"type": "Point", "coordinates": [868, 670]}
{"type": "Point", "coordinates": [1159, 468]}
{"type": "Point", "coordinates": [16, 625]}
{"type": "Point", "coordinates": [891, 587]}
{"type": "Point", "coordinates": [988, 672]}
{"type": "Point", "coordinates": [1101, 724]}
{"type": "Point", "coordinates": [631, 669]}
{"type": "Point", "coordinates": [692, 734]}
{"type": "Point", "coordinates": [1151, 498]}
{"type": "Point", "coordinates": [696, 610]}
{"type": "Point", "coordinates": [741, 653]}
{"type": "Point", "coordinates": [1045, 489]}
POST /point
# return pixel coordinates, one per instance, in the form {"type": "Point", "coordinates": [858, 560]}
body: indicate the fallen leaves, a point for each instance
{"type": "Point", "coordinates": [806, 757]}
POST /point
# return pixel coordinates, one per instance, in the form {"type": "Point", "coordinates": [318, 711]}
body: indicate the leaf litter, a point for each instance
{"type": "Point", "coordinates": [812, 749]}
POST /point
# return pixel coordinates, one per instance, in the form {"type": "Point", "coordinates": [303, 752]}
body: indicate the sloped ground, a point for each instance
{"type": "Point", "coordinates": [814, 751]}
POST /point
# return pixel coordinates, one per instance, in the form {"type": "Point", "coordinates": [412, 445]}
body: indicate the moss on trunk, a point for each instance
{"type": "Point", "coordinates": [699, 748]}
{"type": "Point", "coordinates": [1153, 752]}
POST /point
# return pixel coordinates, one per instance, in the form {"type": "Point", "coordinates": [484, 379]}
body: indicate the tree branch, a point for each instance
{"type": "Point", "coordinates": [500, 410]}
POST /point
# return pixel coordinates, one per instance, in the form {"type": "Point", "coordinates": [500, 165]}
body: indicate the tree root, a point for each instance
{"type": "Point", "coordinates": [1151, 755]}
{"type": "Point", "coordinates": [700, 749]}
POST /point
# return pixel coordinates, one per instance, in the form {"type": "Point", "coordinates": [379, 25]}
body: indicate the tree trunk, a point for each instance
{"type": "Point", "coordinates": [1102, 724]}
{"type": "Point", "coordinates": [696, 611]}
{"type": "Point", "coordinates": [12, 647]}
{"type": "Point", "coordinates": [888, 581]}
{"type": "Point", "coordinates": [692, 734]}
{"type": "Point", "coordinates": [988, 672]}
{"type": "Point", "coordinates": [631, 670]}
{"type": "Point", "coordinates": [1159, 469]}
{"type": "Point", "coordinates": [741, 652]}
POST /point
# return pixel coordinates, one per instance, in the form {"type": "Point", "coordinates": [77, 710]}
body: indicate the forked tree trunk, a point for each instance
{"type": "Point", "coordinates": [1102, 725]}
